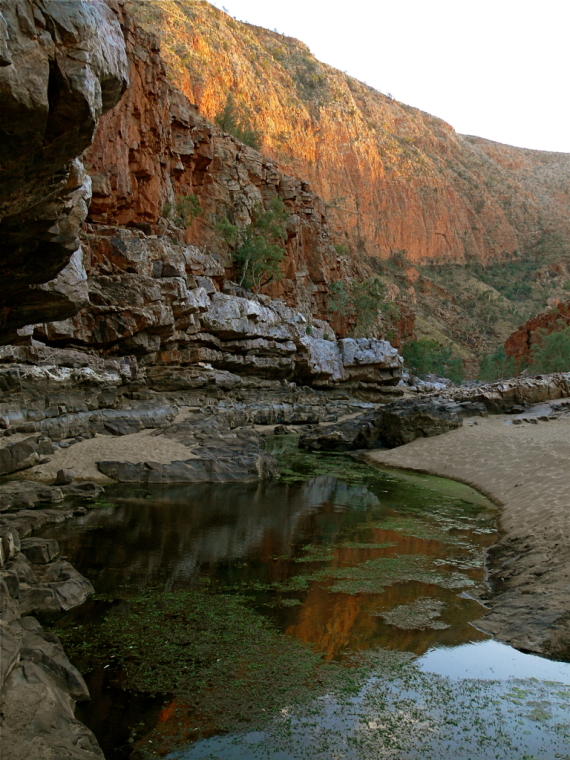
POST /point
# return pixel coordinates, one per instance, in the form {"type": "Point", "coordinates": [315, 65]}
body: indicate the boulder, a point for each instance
{"type": "Point", "coordinates": [64, 477]}
{"type": "Point", "coordinates": [40, 550]}
{"type": "Point", "coordinates": [19, 455]}
{"type": "Point", "coordinates": [403, 421]}
{"type": "Point", "coordinates": [361, 432]}
{"type": "Point", "coordinates": [370, 360]}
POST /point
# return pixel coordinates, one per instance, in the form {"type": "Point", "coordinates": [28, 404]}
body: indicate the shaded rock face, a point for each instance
{"type": "Point", "coordinates": [62, 65]}
{"type": "Point", "coordinates": [154, 146]}
{"type": "Point", "coordinates": [392, 425]}
{"type": "Point", "coordinates": [519, 345]}
{"type": "Point", "coordinates": [38, 684]}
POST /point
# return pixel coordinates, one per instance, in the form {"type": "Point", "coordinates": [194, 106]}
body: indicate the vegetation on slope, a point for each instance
{"type": "Point", "coordinates": [482, 229]}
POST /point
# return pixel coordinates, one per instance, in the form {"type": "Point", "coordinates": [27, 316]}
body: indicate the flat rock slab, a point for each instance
{"type": "Point", "coordinates": [25, 494]}
{"type": "Point", "coordinates": [40, 551]}
{"type": "Point", "coordinates": [247, 467]}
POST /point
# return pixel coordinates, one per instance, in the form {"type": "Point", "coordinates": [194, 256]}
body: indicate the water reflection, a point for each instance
{"type": "Point", "coordinates": [291, 548]}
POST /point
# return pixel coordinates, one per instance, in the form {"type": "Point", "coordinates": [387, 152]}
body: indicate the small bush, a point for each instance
{"type": "Point", "coordinates": [229, 120]}
{"type": "Point", "coordinates": [427, 357]}
{"type": "Point", "coordinates": [552, 354]}
{"type": "Point", "coordinates": [183, 212]}
{"type": "Point", "coordinates": [359, 300]}
{"type": "Point", "coordinates": [497, 366]}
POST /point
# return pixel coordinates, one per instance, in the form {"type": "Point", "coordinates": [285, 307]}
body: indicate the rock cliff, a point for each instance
{"type": "Point", "coordinates": [61, 66]}
{"type": "Point", "coordinates": [393, 178]}
{"type": "Point", "coordinates": [519, 345]}
{"type": "Point", "coordinates": [155, 147]}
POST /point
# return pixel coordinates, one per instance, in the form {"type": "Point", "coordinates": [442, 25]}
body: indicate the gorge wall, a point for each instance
{"type": "Point", "coordinates": [392, 177]}
{"type": "Point", "coordinates": [519, 345]}
{"type": "Point", "coordinates": [60, 69]}
{"type": "Point", "coordinates": [155, 147]}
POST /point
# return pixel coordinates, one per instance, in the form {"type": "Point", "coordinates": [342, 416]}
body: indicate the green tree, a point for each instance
{"type": "Point", "coordinates": [259, 248]}
{"type": "Point", "coordinates": [552, 354]}
{"type": "Point", "coordinates": [427, 357]}
{"type": "Point", "coordinates": [229, 120]}
{"type": "Point", "coordinates": [497, 366]}
{"type": "Point", "coordinates": [361, 301]}
{"type": "Point", "coordinates": [184, 210]}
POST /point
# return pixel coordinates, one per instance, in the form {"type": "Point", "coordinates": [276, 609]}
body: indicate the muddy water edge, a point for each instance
{"type": "Point", "coordinates": [290, 619]}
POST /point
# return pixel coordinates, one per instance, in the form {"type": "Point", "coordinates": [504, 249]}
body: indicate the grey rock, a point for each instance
{"type": "Point", "coordinates": [218, 467]}
{"type": "Point", "coordinates": [40, 550]}
{"type": "Point", "coordinates": [25, 494]}
{"type": "Point", "coordinates": [9, 652]}
{"type": "Point", "coordinates": [64, 477]}
{"type": "Point", "coordinates": [70, 587]}
{"type": "Point", "coordinates": [19, 456]}
{"type": "Point", "coordinates": [45, 648]}
{"type": "Point", "coordinates": [361, 432]}
{"type": "Point", "coordinates": [38, 718]}
{"type": "Point", "coordinates": [403, 421]}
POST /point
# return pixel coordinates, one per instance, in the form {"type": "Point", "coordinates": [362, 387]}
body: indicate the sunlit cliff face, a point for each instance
{"type": "Point", "coordinates": [393, 178]}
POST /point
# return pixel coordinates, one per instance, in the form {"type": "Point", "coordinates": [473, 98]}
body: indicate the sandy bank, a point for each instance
{"type": "Point", "coordinates": [525, 469]}
{"type": "Point", "coordinates": [82, 457]}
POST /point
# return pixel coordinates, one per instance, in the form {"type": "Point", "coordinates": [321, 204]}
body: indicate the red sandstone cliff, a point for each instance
{"type": "Point", "coordinates": [519, 345]}
{"type": "Point", "coordinates": [392, 177]}
{"type": "Point", "coordinates": [154, 146]}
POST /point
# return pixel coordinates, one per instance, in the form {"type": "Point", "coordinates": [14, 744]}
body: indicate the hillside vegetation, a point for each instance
{"type": "Point", "coordinates": [485, 227]}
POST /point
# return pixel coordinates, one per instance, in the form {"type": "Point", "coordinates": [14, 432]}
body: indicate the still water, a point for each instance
{"type": "Point", "coordinates": [325, 615]}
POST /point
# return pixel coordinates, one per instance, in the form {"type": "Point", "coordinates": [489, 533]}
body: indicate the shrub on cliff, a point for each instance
{"type": "Point", "coordinates": [427, 357]}
{"type": "Point", "coordinates": [258, 248]}
{"type": "Point", "coordinates": [229, 120]}
{"type": "Point", "coordinates": [552, 354]}
{"type": "Point", "coordinates": [359, 301]}
{"type": "Point", "coordinates": [184, 210]}
{"type": "Point", "coordinates": [497, 366]}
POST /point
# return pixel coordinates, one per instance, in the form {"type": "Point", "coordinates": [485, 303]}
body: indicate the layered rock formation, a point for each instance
{"type": "Point", "coordinates": [39, 685]}
{"type": "Point", "coordinates": [393, 178]}
{"type": "Point", "coordinates": [519, 345]}
{"type": "Point", "coordinates": [61, 66]}
{"type": "Point", "coordinates": [155, 147]}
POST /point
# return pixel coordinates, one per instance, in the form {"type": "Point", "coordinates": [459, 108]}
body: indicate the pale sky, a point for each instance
{"type": "Point", "coordinates": [494, 68]}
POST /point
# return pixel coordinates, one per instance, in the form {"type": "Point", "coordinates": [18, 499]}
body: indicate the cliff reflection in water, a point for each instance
{"type": "Point", "coordinates": [255, 538]}
{"type": "Point", "coordinates": [344, 558]}
{"type": "Point", "coordinates": [165, 535]}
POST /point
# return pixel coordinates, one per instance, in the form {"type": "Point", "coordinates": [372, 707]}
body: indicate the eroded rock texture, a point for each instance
{"type": "Point", "coordinates": [169, 304]}
{"type": "Point", "coordinates": [519, 345]}
{"type": "Point", "coordinates": [155, 147]}
{"type": "Point", "coordinates": [393, 177]}
{"type": "Point", "coordinates": [62, 65]}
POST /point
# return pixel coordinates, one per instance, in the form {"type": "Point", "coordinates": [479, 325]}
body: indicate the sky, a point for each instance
{"type": "Point", "coordinates": [494, 68]}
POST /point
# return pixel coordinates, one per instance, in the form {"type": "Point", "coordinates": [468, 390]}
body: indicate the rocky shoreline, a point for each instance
{"type": "Point", "coordinates": [129, 355]}
{"type": "Point", "coordinates": [222, 429]}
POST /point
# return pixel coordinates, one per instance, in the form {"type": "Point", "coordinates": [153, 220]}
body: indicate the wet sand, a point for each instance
{"type": "Point", "coordinates": [524, 469]}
